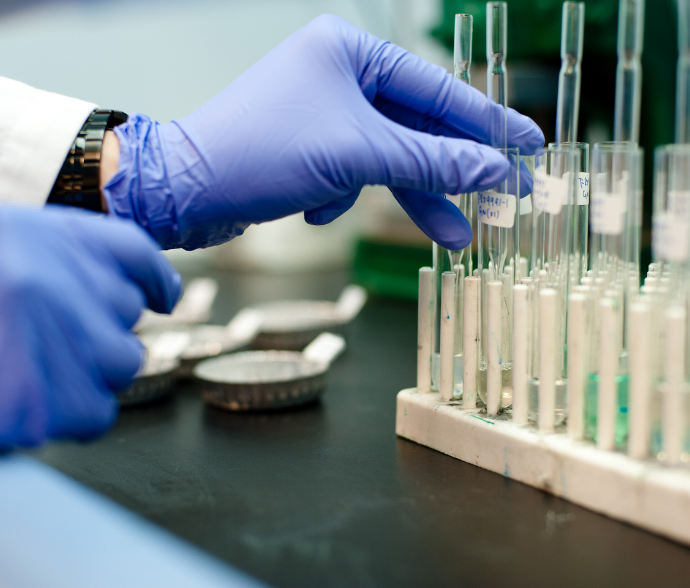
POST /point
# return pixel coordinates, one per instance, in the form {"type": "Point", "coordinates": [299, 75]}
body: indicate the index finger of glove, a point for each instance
{"type": "Point", "coordinates": [395, 74]}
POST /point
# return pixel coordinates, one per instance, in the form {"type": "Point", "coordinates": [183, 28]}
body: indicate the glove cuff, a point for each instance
{"type": "Point", "coordinates": [162, 184]}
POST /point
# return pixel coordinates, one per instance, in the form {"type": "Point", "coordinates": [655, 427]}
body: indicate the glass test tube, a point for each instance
{"type": "Point", "coordinates": [444, 260]}
{"type": "Point", "coordinates": [498, 232]}
{"type": "Point", "coordinates": [683, 73]}
{"type": "Point", "coordinates": [555, 188]}
{"type": "Point", "coordinates": [568, 109]}
{"type": "Point", "coordinates": [626, 120]}
{"type": "Point", "coordinates": [567, 114]}
{"type": "Point", "coordinates": [498, 256]}
{"type": "Point", "coordinates": [614, 258]}
{"type": "Point", "coordinates": [579, 217]}
{"type": "Point", "coordinates": [668, 290]}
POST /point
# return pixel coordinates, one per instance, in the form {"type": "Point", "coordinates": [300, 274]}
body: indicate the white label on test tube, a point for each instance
{"type": "Point", "coordinates": [496, 209]}
{"type": "Point", "coordinates": [526, 204]}
{"type": "Point", "coordinates": [581, 188]}
{"type": "Point", "coordinates": [606, 213]}
{"type": "Point", "coordinates": [549, 192]}
{"type": "Point", "coordinates": [670, 237]}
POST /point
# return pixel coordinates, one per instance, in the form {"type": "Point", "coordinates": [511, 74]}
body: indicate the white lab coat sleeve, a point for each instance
{"type": "Point", "coordinates": [37, 129]}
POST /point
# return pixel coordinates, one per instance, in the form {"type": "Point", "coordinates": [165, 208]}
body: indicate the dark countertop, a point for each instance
{"type": "Point", "coordinates": [327, 495]}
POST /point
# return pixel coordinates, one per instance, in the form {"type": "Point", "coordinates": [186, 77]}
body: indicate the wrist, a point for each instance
{"type": "Point", "coordinates": [110, 157]}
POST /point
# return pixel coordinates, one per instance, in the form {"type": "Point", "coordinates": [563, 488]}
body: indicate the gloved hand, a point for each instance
{"type": "Point", "coordinates": [71, 287]}
{"type": "Point", "coordinates": [328, 111]}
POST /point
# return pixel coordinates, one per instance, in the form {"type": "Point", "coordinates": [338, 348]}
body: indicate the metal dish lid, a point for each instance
{"type": "Point", "coordinates": [258, 367]}
{"type": "Point", "coordinates": [156, 366]}
{"type": "Point", "coordinates": [289, 316]}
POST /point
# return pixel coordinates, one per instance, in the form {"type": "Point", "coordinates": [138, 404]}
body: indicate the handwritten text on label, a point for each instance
{"type": "Point", "coordinates": [495, 209]}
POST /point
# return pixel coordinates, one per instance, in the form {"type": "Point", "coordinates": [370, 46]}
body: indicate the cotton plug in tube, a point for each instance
{"type": "Point", "coordinates": [577, 339]}
{"type": "Point", "coordinates": [639, 317]}
{"type": "Point", "coordinates": [609, 354]}
{"type": "Point", "coordinates": [674, 376]}
{"type": "Point", "coordinates": [494, 296]}
{"type": "Point", "coordinates": [471, 341]}
{"type": "Point", "coordinates": [425, 316]}
{"type": "Point", "coordinates": [447, 335]}
{"type": "Point", "coordinates": [548, 317]}
{"type": "Point", "coordinates": [520, 346]}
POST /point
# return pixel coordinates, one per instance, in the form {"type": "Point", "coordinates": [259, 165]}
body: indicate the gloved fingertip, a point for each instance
{"type": "Point", "coordinates": [457, 242]}
{"type": "Point", "coordinates": [319, 217]}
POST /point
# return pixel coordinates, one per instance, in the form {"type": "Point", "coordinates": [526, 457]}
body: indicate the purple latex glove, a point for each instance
{"type": "Point", "coordinates": [71, 287]}
{"type": "Point", "coordinates": [329, 110]}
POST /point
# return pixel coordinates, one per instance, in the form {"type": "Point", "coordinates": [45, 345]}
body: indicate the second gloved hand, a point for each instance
{"type": "Point", "coordinates": [328, 111]}
{"type": "Point", "coordinates": [71, 287]}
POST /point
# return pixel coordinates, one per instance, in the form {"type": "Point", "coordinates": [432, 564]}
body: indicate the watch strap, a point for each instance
{"type": "Point", "coordinates": [78, 183]}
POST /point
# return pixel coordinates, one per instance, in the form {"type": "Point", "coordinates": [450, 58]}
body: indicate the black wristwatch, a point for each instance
{"type": "Point", "coordinates": [78, 183]}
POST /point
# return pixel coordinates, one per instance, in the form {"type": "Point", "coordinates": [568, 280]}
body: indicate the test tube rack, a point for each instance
{"type": "Point", "coordinates": [639, 492]}
{"type": "Point", "coordinates": [633, 487]}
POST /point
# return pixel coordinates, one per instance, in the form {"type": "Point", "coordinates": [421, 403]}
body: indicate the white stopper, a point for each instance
{"type": "Point", "coordinates": [578, 327]}
{"type": "Point", "coordinates": [447, 359]}
{"type": "Point", "coordinates": [494, 296]}
{"type": "Point", "coordinates": [548, 317]}
{"type": "Point", "coordinates": [609, 354]}
{"type": "Point", "coordinates": [520, 346]}
{"type": "Point", "coordinates": [639, 317]}
{"type": "Point", "coordinates": [674, 376]}
{"type": "Point", "coordinates": [425, 317]}
{"type": "Point", "coordinates": [471, 341]}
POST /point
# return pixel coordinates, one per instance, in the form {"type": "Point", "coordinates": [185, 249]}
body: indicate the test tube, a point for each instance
{"type": "Point", "coordinates": [555, 180]}
{"type": "Point", "coordinates": [498, 256]}
{"type": "Point", "coordinates": [572, 32]}
{"type": "Point", "coordinates": [626, 120]}
{"type": "Point", "coordinates": [567, 113]}
{"type": "Point", "coordinates": [498, 232]}
{"type": "Point", "coordinates": [670, 298]}
{"type": "Point", "coordinates": [615, 198]}
{"type": "Point", "coordinates": [671, 219]}
{"type": "Point", "coordinates": [444, 260]}
{"type": "Point", "coordinates": [683, 74]}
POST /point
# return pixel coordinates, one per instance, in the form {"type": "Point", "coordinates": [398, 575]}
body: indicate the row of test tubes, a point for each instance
{"type": "Point", "coordinates": [552, 328]}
